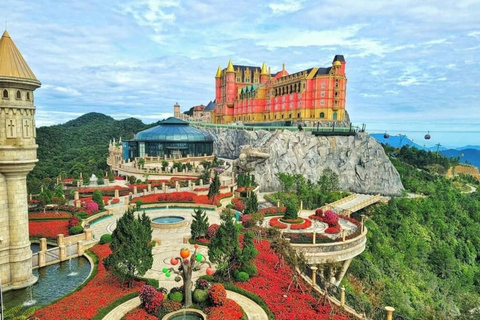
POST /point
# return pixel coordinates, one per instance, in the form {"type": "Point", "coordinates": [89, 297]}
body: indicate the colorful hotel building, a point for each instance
{"type": "Point", "coordinates": [252, 94]}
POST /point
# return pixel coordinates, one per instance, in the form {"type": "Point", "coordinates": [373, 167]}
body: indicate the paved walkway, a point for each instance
{"type": "Point", "coordinates": [251, 309]}
{"type": "Point", "coordinates": [123, 309]}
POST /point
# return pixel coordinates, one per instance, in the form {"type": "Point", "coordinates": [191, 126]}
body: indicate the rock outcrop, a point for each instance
{"type": "Point", "coordinates": [359, 161]}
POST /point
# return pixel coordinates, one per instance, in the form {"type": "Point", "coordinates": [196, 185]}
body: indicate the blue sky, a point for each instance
{"type": "Point", "coordinates": [412, 66]}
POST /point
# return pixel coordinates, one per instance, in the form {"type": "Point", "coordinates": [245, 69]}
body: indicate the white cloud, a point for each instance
{"type": "Point", "coordinates": [286, 6]}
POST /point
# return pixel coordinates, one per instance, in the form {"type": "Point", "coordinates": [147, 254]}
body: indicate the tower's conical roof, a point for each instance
{"type": "Point", "coordinates": [219, 72]}
{"type": "Point", "coordinates": [264, 69]}
{"type": "Point", "coordinates": [12, 63]}
{"type": "Point", "coordinates": [230, 66]}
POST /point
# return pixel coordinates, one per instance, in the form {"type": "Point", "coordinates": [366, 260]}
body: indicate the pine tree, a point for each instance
{"type": "Point", "coordinates": [199, 226]}
{"type": "Point", "coordinates": [131, 247]}
{"type": "Point", "coordinates": [214, 188]}
{"type": "Point", "coordinates": [290, 211]}
{"type": "Point", "coordinates": [224, 248]}
{"type": "Point", "coordinates": [251, 204]}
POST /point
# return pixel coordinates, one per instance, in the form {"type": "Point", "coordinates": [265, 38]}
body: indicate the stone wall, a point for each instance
{"type": "Point", "coordinates": [359, 161]}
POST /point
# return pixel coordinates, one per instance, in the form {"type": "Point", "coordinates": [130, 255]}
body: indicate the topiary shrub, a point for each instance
{"type": "Point", "coordinates": [75, 230]}
{"type": "Point", "coordinates": [217, 294]}
{"type": "Point", "coordinates": [151, 299]}
{"type": "Point", "coordinates": [105, 238]}
{"type": "Point", "coordinates": [175, 296]}
{"type": "Point", "coordinates": [330, 217]}
{"type": "Point", "coordinates": [249, 268]}
{"type": "Point", "coordinates": [200, 295]}
{"type": "Point", "coordinates": [290, 211]}
{"type": "Point", "coordinates": [242, 276]}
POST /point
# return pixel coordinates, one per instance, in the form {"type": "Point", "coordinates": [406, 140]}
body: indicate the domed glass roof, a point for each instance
{"type": "Point", "coordinates": [173, 130]}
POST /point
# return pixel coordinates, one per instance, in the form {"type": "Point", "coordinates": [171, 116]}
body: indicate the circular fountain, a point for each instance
{"type": "Point", "coordinates": [185, 314]}
{"type": "Point", "coordinates": [169, 222]}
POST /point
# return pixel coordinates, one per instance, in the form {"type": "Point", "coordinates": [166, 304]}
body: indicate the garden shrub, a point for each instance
{"type": "Point", "coordinates": [242, 276]}
{"type": "Point", "coordinates": [75, 230]}
{"type": "Point", "coordinates": [249, 268]}
{"type": "Point", "coordinates": [217, 294]}
{"type": "Point", "coordinates": [175, 296]}
{"type": "Point", "coordinates": [82, 214]}
{"type": "Point", "coordinates": [151, 299]}
{"type": "Point", "coordinates": [105, 238]}
{"type": "Point", "coordinates": [202, 284]}
{"type": "Point", "coordinates": [212, 229]}
{"type": "Point", "coordinates": [73, 221]}
{"type": "Point", "coordinates": [290, 211]}
{"type": "Point", "coordinates": [200, 295]}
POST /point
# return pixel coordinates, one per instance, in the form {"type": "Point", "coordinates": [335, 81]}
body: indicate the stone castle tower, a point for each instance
{"type": "Point", "coordinates": [18, 155]}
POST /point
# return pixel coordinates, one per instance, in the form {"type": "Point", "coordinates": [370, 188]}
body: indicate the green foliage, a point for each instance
{"type": "Point", "coordinates": [111, 177]}
{"type": "Point", "coordinates": [75, 230]}
{"type": "Point", "coordinates": [251, 203]}
{"type": "Point", "coordinates": [291, 211]}
{"type": "Point", "coordinates": [249, 268]}
{"type": "Point", "coordinates": [199, 226]}
{"type": "Point", "coordinates": [224, 247]}
{"type": "Point", "coordinates": [214, 188]}
{"type": "Point", "coordinates": [105, 238]}
{"type": "Point", "coordinates": [132, 179]}
{"type": "Point", "coordinates": [200, 296]}
{"type": "Point", "coordinates": [97, 197]}
{"type": "Point", "coordinates": [176, 296]}
{"type": "Point", "coordinates": [313, 195]}
{"type": "Point", "coordinates": [18, 313]}
{"type": "Point", "coordinates": [138, 204]}
{"type": "Point", "coordinates": [82, 214]}
{"type": "Point", "coordinates": [131, 247]}
{"type": "Point", "coordinates": [248, 252]}
{"type": "Point", "coordinates": [422, 254]}
{"type": "Point", "coordinates": [80, 145]}
{"type": "Point", "coordinates": [245, 180]}
{"type": "Point", "coordinates": [242, 276]}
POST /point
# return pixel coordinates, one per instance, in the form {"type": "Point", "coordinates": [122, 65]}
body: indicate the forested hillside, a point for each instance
{"type": "Point", "coordinates": [423, 253]}
{"type": "Point", "coordinates": [80, 145]}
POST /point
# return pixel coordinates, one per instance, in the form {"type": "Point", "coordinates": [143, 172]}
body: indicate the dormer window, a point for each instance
{"type": "Point", "coordinates": [19, 95]}
{"type": "Point", "coordinates": [5, 94]}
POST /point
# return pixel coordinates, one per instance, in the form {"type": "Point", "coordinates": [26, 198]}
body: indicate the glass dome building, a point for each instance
{"type": "Point", "coordinates": [173, 138]}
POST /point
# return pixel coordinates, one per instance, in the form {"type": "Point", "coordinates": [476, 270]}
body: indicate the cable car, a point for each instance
{"type": "Point", "coordinates": [427, 136]}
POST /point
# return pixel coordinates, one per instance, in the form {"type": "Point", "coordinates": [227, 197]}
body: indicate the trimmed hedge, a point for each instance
{"type": "Point", "coordinates": [105, 238]}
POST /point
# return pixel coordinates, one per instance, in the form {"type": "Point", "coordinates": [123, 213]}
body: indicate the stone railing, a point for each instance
{"type": "Point", "coordinates": [363, 204]}
{"type": "Point", "coordinates": [349, 198]}
{"type": "Point", "coordinates": [176, 205]}
{"type": "Point", "coordinates": [333, 252]}
{"type": "Point", "coordinates": [67, 248]}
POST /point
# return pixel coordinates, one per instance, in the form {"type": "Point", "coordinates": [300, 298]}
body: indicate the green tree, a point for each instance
{"type": "Point", "coordinates": [248, 252]}
{"type": "Point", "coordinates": [199, 226]}
{"type": "Point", "coordinates": [131, 247]}
{"type": "Point", "coordinates": [132, 179]}
{"type": "Point", "coordinates": [214, 188]}
{"type": "Point", "coordinates": [97, 197]}
{"type": "Point", "coordinates": [251, 203]}
{"type": "Point", "coordinates": [290, 211]}
{"type": "Point", "coordinates": [141, 162]}
{"type": "Point", "coordinates": [101, 180]}
{"type": "Point", "coordinates": [224, 247]}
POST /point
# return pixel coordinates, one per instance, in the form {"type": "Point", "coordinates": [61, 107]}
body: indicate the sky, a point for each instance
{"type": "Point", "coordinates": [412, 66]}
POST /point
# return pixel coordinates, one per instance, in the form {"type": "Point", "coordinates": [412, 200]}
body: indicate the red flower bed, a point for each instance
{"type": "Point", "coordinates": [275, 223]}
{"type": "Point", "coordinates": [271, 285]}
{"type": "Point", "coordinates": [272, 210]}
{"type": "Point", "coordinates": [48, 229]}
{"type": "Point", "coordinates": [139, 314]}
{"type": "Point", "coordinates": [115, 200]}
{"type": "Point", "coordinates": [119, 178]}
{"type": "Point", "coordinates": [48, 214]}
{"type": "Point", "coordinates": [84, 304]}
{"type": "Point", "coordinates": [306, 224]}
{"type": "Point", "coordinates": [238, 204]}
{"type": "Point", "coordinates": [181, 197]}
{"type": "Point", "coordinates": [333, 229]}
{"type": "Point", "coordinates": [230, 310]}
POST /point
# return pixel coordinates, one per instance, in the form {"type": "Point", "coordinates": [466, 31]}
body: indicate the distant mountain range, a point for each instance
{"type": "Point", "coordinates": [468, 154]}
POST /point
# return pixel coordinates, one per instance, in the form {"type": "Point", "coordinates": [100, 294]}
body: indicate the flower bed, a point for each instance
{"type": "Point", "coordinates": [271, 211]}
{"type": "Point", "coordinates": [48, 229]}
{"type": "Point", "coordinates": [306, 224]}
{"type": "Point", "coordinates": [271, 285]}
{"type": "Point", "coordinates": [230, 310]}
{"type": "Point", "coordinates": [275, 223]}
{"type": "Point", "coordinates": [182, 197]}
{"type": "Point", "coordinates": [84, 304]}
{"type": "Point", "coordinates": [115, 200]}
{"type": "Point", "coordinates": [49, 215]}
{"type": "Point", "coordinates": [139, 314]}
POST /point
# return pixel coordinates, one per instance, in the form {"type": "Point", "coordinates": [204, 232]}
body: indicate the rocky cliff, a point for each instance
{"type": "Point", "coordinates": [359, 161]}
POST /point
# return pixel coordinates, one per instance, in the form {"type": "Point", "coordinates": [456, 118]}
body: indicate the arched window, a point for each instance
{"type": "Point", "coordinates": [298, 115]}
{"type": "Point", "coordinates": [5, 94]}
{"type": "Point", "coordinates": [19, 94]}
{"type": "Point", "coordinates": [28, 95]}
{"type": "Point", "coordinates": [322, 115]}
